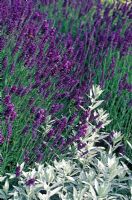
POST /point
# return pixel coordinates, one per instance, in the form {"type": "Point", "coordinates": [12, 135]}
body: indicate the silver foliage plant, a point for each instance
{"type": "Point", "coordinates": [93, 173]}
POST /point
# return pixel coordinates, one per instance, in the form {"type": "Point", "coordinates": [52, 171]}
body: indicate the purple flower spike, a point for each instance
{"type": "Point", "coordinates": [37, 16]}
{"type": "Point", "coordinates": [4, 63]}
{"type": "Point", "coordinates": [2, 43]}
{"type": "Point", "coordinates": [39, 117]}
{"type": "Point", "coordinates": [56, 108]}
{"type": "Point", "coordinates": [13, 116]}
{"type": "Point", "coordinates": [62, 123]}
{"type": "Point", "coordinates": [39, 156]}
{"type": "Point", "coordinates": [26, 156]}
{"type": "Point", "coordinates": [9, 130]}
{"type": "Point", "coordinates": [69, 141]}
{"type": "Point", "coordinates": [82, 131]}
{"type": "Point", "coordinates": [31, 101]}
{"type": "Point", "coordinates": [1, 138]}
{"type": "Point", "coordinates": [34, 133]}
{"type": "Point", "coordinates": [7, 99]}
{"type": "Point", "coordinates": [50, 133]}
{"type": "Point", "coordinates": [18, 171]}
{"type": "Point", "coordinates": [12, 69]}
{"type": "Point", "coordinates": [25, 130]}
{"type": "Point", "coordinates": [72, 118]}
{"type": "Point", "coordinates": [13, 89]}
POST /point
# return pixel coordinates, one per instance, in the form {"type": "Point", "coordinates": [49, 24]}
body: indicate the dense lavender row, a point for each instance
{"type": "Point", "coordinates": [105, 40]}
{"type": "Point", "coordinates": [46, 73]}
{"type": "Point", "coordinates": [103, 37]}
{"type": "Point", "coordinates": [37, 81]}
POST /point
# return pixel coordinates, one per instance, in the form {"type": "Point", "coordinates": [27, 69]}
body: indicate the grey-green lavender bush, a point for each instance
{"type": "Point", "coordinates": [93, 172]}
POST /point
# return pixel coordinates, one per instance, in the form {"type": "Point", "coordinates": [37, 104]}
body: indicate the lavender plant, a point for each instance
{"type": "Point", "coordinates": [101, 37]}
{"type": "Point", "coordinates": [45, 75]}
{"type": "Point", "coordinates": [40, 78]}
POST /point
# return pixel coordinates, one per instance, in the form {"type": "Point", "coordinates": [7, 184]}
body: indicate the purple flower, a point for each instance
{"type": "Point", "coordinates": [87, 113]}
{"type": "Point", "coordinates": [72, 119]}
{"type": "Point", "coordinates": [9, 132]}
{"type": "Point", "coordinates": [39, 156]}
{"type": "Point", "coordinates": [33, 109]}
{"type": "Point", "coordinates": [30, 182]}
{"type": "Point", "coordinates": [6, 90]}
{"type": "Point", "coordinates": [61, 143]}
{"type": "Point", "coordinates": [2, 139]}
{"type": "Point", "coordinates": [81, 145]}
{"type": "Point", "coordinates": [4, 63]}
{"type": "Point", "coordinates": [56, 108]}
{"type": "Point", "coordinates": [37, 16]}
{"type": "Point", "coordinates": [50, 133]}
{"type": "Point", "coordinates": [128, 87]}
{"type": "Point", "coordinates": [26, 156]}
{"type": "Point", "coordinates": [13, 116]}
{"type": "Point", "coordinates": [99, 125]}
{"type": "Point", "coordinates": [44, 87]}
{"type": "Point", "coordinates": [2, 43]}
{"type": "Point", "coordinates": [82, 131]}
{"type": "Point", "coordinates": [34, 132]}
{"type": "Point", "coordinates": [56, 140]}
{"type": "Point", "coordinates": [12, 69]}
{"type": "Point", "coordinates": [10, 107]}
{"type": "Point", "coordinates": [7, 99]}
{"type": "Point", "coordinates": [10, 111]}
{"type": "Point", "coordinates": [31, 49]}
{"type": "Point", "coordinates": [44, 26]}
{"type": "Point", "coordinates": [25, 130]}
{"type": "Point", "coordinates": [40, 116]}
{"type": "Point", "coordinates": [62, 124]}
{"type": "Point", "coordinates": [67, 66]}
{"type": "Point", "coordinates": [19, 90]}
{"type": "Point", "coordinates": [69, 141]}
{"type": "Point", "coordinates": [31, 101]}
{"type": "Point", "coordinates": [13, 89]}
{"type": "Point", "coordinates": [18, 171]}
{"type": "Point", "coordinates": [110, 137]}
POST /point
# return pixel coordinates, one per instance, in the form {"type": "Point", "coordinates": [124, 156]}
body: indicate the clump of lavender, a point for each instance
{"type": "Point", "coordinates": [38, 81]}
{"type": "Point", "coordinates": [101, 38]}
{"type": "Point", "coordinates": [48, 73]}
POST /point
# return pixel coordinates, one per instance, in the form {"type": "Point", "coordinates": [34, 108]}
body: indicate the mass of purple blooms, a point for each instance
{"type": "Point", "coordinates": [46, 71]}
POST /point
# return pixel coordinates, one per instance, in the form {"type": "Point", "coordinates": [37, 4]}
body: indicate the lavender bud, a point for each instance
{"type": "Point", "coordinates": [18, 171]}
{"type": "Point", "coordinates": [1, 138]}
{"type": "Point", "coordinates": [7, 99]}
{"type": "Point", "coordinates": [9, 131]}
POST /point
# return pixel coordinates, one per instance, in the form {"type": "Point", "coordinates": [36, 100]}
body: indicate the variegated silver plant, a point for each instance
{"type": "Point", "coordinates": [98, 175]}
